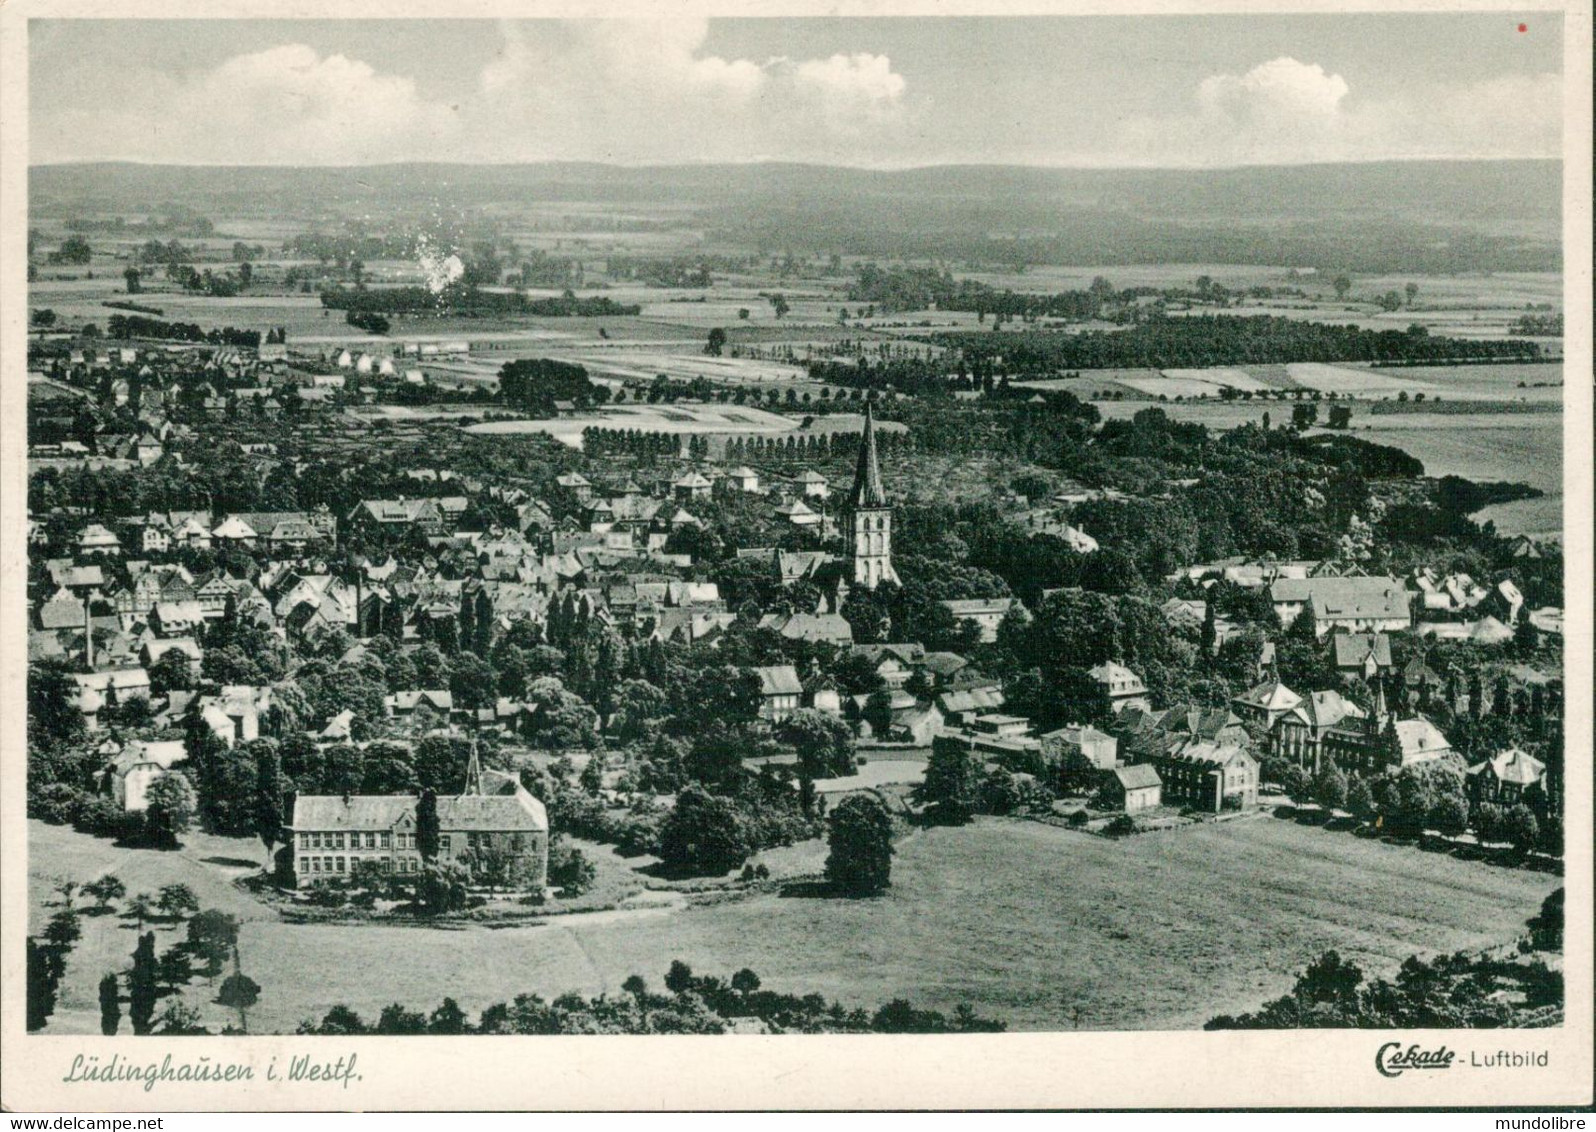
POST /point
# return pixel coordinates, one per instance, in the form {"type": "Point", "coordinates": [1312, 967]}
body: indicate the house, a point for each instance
{"type": "Point", "coordinates": [741, 478]}
{"type": "Point", "coordinates": [1096, 747]}
{"type": "Point", "coordinates": [156, 536]}
{"type": "Point", "coordinates": [497, 830]}
{"type": "Point", "coordinates": [575, 485]}
{"type": "Point", "coordinates": [1503, 778]}
{"type": "Point", "coordinates": [962, 705]}
{"type": "Point", "coordinates": [234, 531]}
{"type": "Point", "coordinates": [1133, 788]}
{"type": "Point", "coordinates": [403, 705]}
{"type": "Point", "coordinates": [1361, 655]}
{"type": "Point", "coordinates": [234, 715]}
{"type": "Point", "coordinates": [1123, 687]}
{"type": "Point", "coordinates": [780, 691]}
{"type": "Point", "coordinates": [1209, 776]}
{"type": "Point", "coordinates": [153, 651]}
{"type": "Point", "coordinates": [893, 663]}
{"type": "Point", "coordinates": [138, 766]}
{"type": "Point", "coordinates": [147, 450]}
{"type": "Point", "coordinates": [819, 628]}
{"type": "Point", "coordinates": [62, 611]}
{"type": "Point", "coordinates": [97, 690]}
{"type": "Point", "coordinates": [986, 614]}
{"type": "Point", "coordinates": [1358, 604]}
{"type": "Point", "coordinates": [799, 514]}
{"type": "Point", "coordinates": [177, 618]}
{"type": "Point", "coordinates": [813, 485]}
{"type": "Point", "coordinates": [1265, 703]}
{"type": "Point", "coordinates": [691, 486]}
{"type": "Point", "coordinates": [399, 514]}
{"type": "Point", "coordinates": [97, 539]}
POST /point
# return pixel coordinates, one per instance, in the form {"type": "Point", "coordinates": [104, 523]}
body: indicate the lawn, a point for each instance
{"type": "Point", "coordinates": [1043, 927]}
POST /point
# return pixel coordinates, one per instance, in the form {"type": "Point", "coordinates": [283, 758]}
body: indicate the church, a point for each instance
{"type": "Point", "coordinates": [866, 522]}
{"type": "Point", "coordinates": [868, 517]}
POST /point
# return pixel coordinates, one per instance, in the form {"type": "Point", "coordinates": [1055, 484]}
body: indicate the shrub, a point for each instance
{"type": "Point", "coordinates": [326, 894]}
{"type": "Point", "coordinates": [56, 803]}
{"type": "Point", "coordinates": [1122, 826]}
{"type": "Point", "coordinates": [1078, 818]}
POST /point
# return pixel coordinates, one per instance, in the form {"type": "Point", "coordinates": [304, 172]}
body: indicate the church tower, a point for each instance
{"type": "Point", "coordinates": [869, 516]}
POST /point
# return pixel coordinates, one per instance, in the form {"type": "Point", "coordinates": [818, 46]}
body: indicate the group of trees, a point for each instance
{"type": "Point", "coordinates": [123, 327]}
{"type": "Point", "coordinates": [1222, 340]}
{"type": "Point", "coordinates": [689, 1004]}
{"type": "Point", "coordinates": [533, 386]}
{"type": "Point", "coordinates": [1448, 992]}
{"type": "Point", "coordinates": [465, 299]}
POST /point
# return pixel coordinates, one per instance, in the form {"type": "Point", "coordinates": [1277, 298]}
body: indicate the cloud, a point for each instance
{"type": "Point", "coordinates": [628, 91]}
{"type": "Point", "coordinates": [283, 104]}
{"type": "Point", "coordinates": [1286, 111]}
{"type": "Point", "coordinates": [646, 92]}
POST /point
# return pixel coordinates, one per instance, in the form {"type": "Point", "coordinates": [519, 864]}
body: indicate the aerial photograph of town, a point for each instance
{"type": "Point", "coordinates": [794, 526]}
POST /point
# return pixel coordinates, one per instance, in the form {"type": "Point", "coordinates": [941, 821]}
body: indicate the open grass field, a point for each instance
{"type": "Point", "coordinates": [1027, 922]}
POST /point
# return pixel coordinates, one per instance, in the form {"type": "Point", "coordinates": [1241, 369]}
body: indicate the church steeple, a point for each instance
{"type": "Point", "coordinates": [869, 515]}
{"type": "Point", "coordinates": [867, 489]}
{"type": "Point", "coordinates": [473, 782]}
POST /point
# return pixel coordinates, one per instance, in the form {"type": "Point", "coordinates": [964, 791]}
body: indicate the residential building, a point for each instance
{"type": "Point", "coordinates": [1134, 788]}
{"type": "Point", "coordinates": [137, 767]}
{"type": "Point", "coordinates": [1357, 604]}
{"type": "Point", "coordinates": [1123, 687]}
{"type": "Point", "coordinates": [780, 691]}
{"type": "Point", "coordinates": [1504, 778]}
{"type": "Point", "coordinates": [986, 614]}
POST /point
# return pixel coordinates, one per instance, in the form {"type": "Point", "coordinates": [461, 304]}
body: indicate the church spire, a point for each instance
{"type": "Point", "coordinates": [867, 489]}
{"type": "Point", "coordinates": [473, 782]}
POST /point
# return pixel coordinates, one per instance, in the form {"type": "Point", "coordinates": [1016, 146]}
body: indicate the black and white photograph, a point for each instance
{"type": "Point", "coordinates": [1035, 527]}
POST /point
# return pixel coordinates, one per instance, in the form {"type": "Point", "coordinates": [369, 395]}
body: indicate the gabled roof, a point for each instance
{"type": "Point", "coordinates": [1512, 765]}
{"type": "Point", "coordinates": [1326, 709]}
{"type": "Point", "coordinates": [1419, 738]}
{"type": "Point", "coordinates": [779, 680]}
{"type": "Point", "coordinates": [1138, 777]}
{"type": "Point", "coordinates": [1271, 695]}
{"type": "Point", "coordinates": [1352, 649]}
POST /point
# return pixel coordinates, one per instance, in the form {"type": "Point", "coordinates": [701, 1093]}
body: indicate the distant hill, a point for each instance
{"type": "Point", "coordinates": [1430, 215]}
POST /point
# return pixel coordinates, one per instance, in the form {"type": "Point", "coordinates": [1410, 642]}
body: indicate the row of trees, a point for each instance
{"type": "Point", "coordinates": [689, 1004]}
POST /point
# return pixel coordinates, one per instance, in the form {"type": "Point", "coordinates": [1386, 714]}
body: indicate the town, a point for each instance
{"type": "Point", "coordinates": [339, 627]}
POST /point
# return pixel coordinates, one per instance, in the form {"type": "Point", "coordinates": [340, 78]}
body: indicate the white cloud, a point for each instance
{"type": "Point", "coordinates": [1288, 111]}
{"type": "Point", "coordinates": [644, 91]}
{"type": "Point", "coordinates": [629, 91]}
{"type": "Point", "coordinates": [284, 104]}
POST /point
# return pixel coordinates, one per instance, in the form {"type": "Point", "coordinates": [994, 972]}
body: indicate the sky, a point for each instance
{"type": "Point", "coordinates": [1087, 91]}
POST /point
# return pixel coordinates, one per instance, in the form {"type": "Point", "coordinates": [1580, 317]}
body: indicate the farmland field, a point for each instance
{"type": "Point", "coordinates": [1027, 922]}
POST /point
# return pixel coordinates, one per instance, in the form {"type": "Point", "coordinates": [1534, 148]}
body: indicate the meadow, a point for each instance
{"type": "Point", "coordinates": [1043, 927]}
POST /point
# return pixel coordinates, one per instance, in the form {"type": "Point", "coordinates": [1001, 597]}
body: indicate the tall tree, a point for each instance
{"type": "Point", "coordinates": [859, 837]}
{"type": "Point", "coordinates": [143, 984]}
{"type": "Point", "coordinates": [427, 832]}
{"type": "Point", "coordinates": [110, 1005]}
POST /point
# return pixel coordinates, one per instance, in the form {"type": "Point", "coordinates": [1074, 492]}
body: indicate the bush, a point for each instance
{"type": "Point", "coordinates": [570, 871]}
{"type": "Point", "coordinates": [100, 816]}
{"type": "Point", "coordinates": [326, 894]}
{"type": "Point", "coordinates": [56, 803]}
{"type": "Point", "coordinates": [1078, 818]}
{"type": "Point", "coordinates": [1122, 826]}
